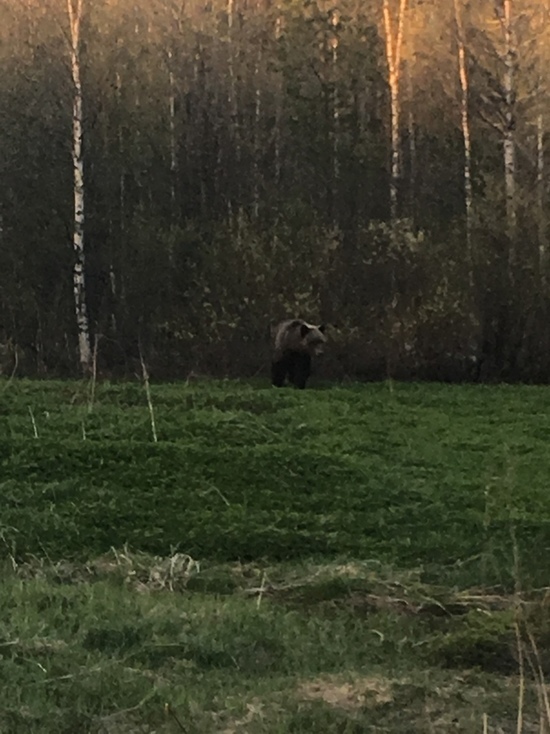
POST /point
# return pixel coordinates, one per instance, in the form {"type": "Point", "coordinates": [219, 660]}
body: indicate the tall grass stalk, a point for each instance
{"type": "Point", "coordinates": [34, 428]}
{"type": "Point", "coordinates": [145, 375]}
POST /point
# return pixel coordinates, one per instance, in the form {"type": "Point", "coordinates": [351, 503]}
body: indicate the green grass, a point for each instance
{"type": "Point", "coordinates": [106, 647]}
{"type": "Point", "coordinates": [417, 475]}
{"type": "Point", "coordinates": [357, 549]}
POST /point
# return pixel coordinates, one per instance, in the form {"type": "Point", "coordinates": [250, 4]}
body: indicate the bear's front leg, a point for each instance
{"type": "Point", "coordinates": [278, 372]}
{"type": "Point", "coordinates": [301, 370]}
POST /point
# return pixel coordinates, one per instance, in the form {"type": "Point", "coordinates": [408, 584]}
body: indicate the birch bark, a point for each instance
{"type": "Point", "coordinates": [466, 138]}
{"type": "Point", "coordinates": [74, 8]}
{"type": "Point", "coordinates": [510, 55]}
{"type": "Point", "coordinates": [393, 60]}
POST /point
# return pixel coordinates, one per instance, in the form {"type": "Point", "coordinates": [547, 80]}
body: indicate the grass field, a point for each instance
{"type": "Point", "coordinates": [345, 559]}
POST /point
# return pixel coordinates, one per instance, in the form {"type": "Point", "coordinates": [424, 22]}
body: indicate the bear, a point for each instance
{"type": "Point", "coordinates": [295, 343]}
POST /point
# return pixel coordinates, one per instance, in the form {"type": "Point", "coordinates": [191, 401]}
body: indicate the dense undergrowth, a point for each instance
{"type": "Point", "coordinates": [447, 478]}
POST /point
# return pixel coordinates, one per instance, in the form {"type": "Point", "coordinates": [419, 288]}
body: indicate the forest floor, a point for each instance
{"type": "Point", "coordinates": [231, 558]}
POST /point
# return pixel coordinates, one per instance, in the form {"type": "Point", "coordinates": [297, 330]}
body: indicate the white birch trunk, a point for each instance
{"type": "Point", "coordinates": [74, 8]}
{"type": "Point", "coordinates": [465, 125]}
{"type": "Point", "coordinates": [509, 127]}
{"type": "Point", "coordinates": [393, 59]}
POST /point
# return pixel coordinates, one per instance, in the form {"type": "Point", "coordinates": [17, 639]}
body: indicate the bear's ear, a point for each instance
{"type": "Point", "coordinates": [304, 329]}
{"type": "Point", "coordinates": [322, 328]}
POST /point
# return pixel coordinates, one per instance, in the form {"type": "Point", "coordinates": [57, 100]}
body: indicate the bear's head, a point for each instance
{"type": "Point", "coordinates": [296, 335]}
{"type": "Point", "coordinates": [313, 338]}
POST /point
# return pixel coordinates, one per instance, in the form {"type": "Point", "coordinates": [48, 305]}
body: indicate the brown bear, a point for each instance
{"type": "Point", "coordinates": [296, 342]}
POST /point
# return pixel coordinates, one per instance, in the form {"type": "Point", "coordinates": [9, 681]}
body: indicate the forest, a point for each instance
{"type": "Point", "coordinates": [178, 175]}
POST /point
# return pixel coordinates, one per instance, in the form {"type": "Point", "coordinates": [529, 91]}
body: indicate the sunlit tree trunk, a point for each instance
{"type": "Point", "coordinates": [465, 125]}
{"type": "Point", "coordinates": [74, 8]}
{"type": "Point", "coordinates": [540, 198]}
{"type": "Point", "coordinates": [394, 42]}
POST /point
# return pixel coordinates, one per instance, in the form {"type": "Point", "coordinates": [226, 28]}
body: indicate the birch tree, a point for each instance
{"type": "Point", "coordinates": [504, 13]}
{"type": "Point", "coordinates": [393, 44]}
{"type": "Point", "coordinates": [465, 126]}
{"type": "Point", "coordinates": [542, 31]}
{"type": "Point", "coordinates": [512, 90]}
{"type": "Point", "coordinates": [74, 9]}
{"type": "Point", "coordinates": [333, 42]}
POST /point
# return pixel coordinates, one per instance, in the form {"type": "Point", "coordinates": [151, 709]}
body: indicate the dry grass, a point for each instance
{"type": "Point", "coordinates": [350, 695]}
{"type": "Point", "coordinates": [365, 668]}
{"type": "Point", "coordinates": [138, 571]}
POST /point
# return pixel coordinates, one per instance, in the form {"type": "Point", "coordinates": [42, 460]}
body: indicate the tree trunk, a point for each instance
{"type": "Point", "coordinates": [173, 146]}
{"type": "Point", "coordinates": [393, 59]}
{"type": "Point", "coordinates": [509, 147]}
{"type": "Point", "coordinates": [278, 111]}
{"type": "Point", "coordinates": [465, 124]}
{"type": "Point", "coordinates": [79, 283]}
{"type": "Point", "coordinates": [232, 98]}
{"type": "Point", "coordinates": [540, 198]}
{"type": "Point", "coordinates": [334, 21]}
{"type": "Point", "coordinates": [257, 143]}
{"type": "Point", "coordinates": [411, 128]}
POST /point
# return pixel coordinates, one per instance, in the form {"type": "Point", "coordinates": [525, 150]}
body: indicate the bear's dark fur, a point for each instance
{"type": "Point", "coordinates": [295, 343]}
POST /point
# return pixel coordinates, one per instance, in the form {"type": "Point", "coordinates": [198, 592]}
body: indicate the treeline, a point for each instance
{"type": "Point", "coordinates": [379, 165]}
